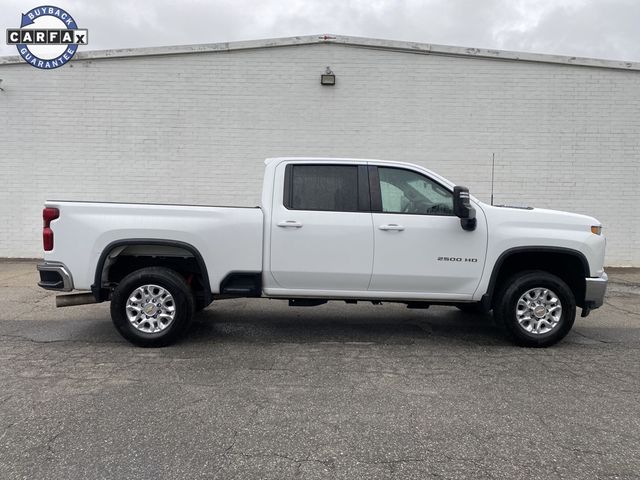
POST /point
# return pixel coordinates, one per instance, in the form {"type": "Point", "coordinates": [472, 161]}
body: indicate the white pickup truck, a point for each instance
{"type": "Point", "coordinates": [328, 229]}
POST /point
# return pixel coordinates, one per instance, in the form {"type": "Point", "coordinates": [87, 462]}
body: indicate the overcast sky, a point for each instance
{"type": "Point", "coordinates": [591, 28]}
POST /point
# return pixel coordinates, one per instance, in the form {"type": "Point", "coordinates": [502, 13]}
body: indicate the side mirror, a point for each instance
{"type": "Point", "coordinates": [462, 208]}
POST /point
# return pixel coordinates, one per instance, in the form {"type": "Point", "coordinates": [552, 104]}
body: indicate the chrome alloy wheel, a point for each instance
{"type": "Point", "coordinates": [539, 310]}
{"type": "Point", "coordinates": [150, 308]}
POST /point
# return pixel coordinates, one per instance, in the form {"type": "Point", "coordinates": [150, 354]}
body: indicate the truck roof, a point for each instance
{"type": "Point", "coordinates": [276, 160]}
{"type": "Point", "coordinates": [329, 159]}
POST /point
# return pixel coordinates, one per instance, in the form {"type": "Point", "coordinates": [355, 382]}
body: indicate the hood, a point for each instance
{"type": "Point", "coordinates": [540, 217]}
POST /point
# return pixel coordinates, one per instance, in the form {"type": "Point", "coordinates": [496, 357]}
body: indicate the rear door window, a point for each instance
{"type": "Point", "coordinates": [322, 187]}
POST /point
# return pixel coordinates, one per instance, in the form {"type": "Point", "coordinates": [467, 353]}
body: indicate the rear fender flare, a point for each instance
{"type": "Point", "coordinates": [99, 292]}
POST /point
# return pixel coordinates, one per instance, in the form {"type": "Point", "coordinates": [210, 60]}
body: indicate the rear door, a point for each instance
{"type": "Point", "coordinates": [321, 228]}
{"type": "Point", "coordinates": [419, 244]}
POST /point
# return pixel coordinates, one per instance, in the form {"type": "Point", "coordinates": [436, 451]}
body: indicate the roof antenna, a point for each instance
{"type": "Point", "coordinates": [493, 167]}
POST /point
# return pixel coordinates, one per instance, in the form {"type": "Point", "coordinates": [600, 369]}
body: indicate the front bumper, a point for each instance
{"type": "Point", "coordinates": [55, 276]}
{"type": "Point", "coordinates": [595, 290]}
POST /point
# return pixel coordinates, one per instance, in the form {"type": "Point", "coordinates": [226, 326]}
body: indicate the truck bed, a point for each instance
{"type": "Point", "coordinates": [228, 238]}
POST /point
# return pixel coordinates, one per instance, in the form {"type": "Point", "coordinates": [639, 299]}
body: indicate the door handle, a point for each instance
{"type": "Point", "coordinates": [391, 226]}
{"type": "Point", "coordinates": [290, 224]}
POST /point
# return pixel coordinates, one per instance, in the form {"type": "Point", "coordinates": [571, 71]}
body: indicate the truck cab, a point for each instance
{"type": "Point", "coordinates": [343, 228]}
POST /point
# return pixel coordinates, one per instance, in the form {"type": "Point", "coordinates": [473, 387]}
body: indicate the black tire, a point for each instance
{"type": "Point", "coordinates": [471, 308]}
{"type": "Point", "coordinates": [183, 303]}
{"type": "Point", "coordinates": [518, 285]}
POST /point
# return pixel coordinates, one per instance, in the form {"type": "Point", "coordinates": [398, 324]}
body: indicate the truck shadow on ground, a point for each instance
{"type": "Point", "coordinates": [391, 324]}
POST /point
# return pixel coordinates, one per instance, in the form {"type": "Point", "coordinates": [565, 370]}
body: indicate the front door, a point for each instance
{"type": "Point", "coordinates": [321, 228]}
{"type": "Point", "coordinates": [419, 244]}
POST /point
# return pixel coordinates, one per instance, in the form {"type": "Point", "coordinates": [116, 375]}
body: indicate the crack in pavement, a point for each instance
{"type": "Point", "coordinates": [61, 340]}
{"type": "Point", "coordinates": [621, 309]}
{"type": "Point", "coordinates": [297, 461]}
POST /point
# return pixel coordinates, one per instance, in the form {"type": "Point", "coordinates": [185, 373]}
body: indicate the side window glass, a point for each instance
{"type": "Point", "coordinates": [404, 191]}
{"type": "Point", "coordinates": [324, 187]}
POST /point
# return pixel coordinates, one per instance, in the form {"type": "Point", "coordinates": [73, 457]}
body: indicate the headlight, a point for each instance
{"type": "Point", "coordinates": [597, 229]}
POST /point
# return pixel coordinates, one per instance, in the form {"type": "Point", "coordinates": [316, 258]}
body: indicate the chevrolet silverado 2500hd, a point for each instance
{"type": "Point", "coordinates": [328, 229]}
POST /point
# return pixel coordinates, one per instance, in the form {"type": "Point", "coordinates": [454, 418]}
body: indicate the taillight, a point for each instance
{"type": "Point", "coordinates": [48, 214]}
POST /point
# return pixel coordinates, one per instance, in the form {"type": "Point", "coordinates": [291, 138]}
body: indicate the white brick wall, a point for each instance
{"type": "Point", "coordinates": [195, 128]}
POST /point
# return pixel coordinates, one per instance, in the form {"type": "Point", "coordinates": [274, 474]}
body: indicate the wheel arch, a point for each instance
{"type": "Point", "coordinates": [101, 293]}
{"type": "Point", "coordinates": [547, 258]}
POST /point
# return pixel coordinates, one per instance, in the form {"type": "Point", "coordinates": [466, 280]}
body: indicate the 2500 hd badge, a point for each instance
{"type": "Point", "coordinates": [457, 259]}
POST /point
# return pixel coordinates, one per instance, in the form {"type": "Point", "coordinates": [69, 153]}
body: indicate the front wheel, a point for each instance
{"type": "Point", "coordinates": [537, 309]}
{"type": "Point", "coordinates": [152, 307]}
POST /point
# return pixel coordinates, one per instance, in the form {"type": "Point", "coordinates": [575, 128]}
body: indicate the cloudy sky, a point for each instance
{"type": "Point", "coordinates": [592, 28]}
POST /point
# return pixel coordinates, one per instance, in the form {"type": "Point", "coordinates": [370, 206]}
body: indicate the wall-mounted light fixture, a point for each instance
{"type": "Point", "coordinates": [328, 77]}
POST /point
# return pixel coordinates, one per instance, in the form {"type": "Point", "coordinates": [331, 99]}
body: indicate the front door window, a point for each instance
{"type": "Point", "coordinates": [404, 191]}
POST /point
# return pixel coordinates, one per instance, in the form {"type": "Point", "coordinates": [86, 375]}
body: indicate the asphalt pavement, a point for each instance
{"type": "Point", "coordinates": [262, 390]}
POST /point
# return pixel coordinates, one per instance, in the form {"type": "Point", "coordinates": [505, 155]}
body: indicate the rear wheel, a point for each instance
{"type": "Point", "coordinates": [152, 307]}
{"type": "Point", "coordinates": [537, 309]}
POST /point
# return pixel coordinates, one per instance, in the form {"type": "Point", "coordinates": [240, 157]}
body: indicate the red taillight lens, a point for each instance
{"type": "Point", "coordinates": [47, 239]}
{"type": "Point", "coordinates": [48, 214]}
